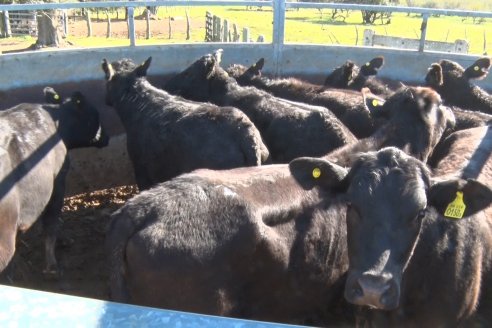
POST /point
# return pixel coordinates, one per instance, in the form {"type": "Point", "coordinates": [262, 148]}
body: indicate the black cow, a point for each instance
{"type": "Point", "coordinates": [254, 243]}
{"type": "Point", "coordinates": [347, 105]}
{"type": "Point", "coordinates": [415, 122]}
{"type": "Point", "coordinates": [168, 135]}
{"type": "Point", "coordinates": [248, 242]}
{"type": "Point", "coordinates": [453, 84]}
{"type": "Point", "coordinates": [289, 129]}
{"type": "Point", "coordinates": [34, 139]}
{"type": "Point", "coordinates": [351, 76]}
{"type": "Point", "coordinates": [409, 257]}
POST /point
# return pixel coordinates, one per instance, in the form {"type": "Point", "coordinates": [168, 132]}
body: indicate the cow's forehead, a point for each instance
{"type": "Point", "coordinates": [392, 175]}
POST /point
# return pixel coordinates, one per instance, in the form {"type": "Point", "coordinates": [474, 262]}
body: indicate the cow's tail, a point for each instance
{"type": "Point", "coordinates": [120, 230]}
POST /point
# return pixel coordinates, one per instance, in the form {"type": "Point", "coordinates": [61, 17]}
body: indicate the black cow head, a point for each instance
{"type": "Point", "coordinates": [120, 75]}
{"type": "Point", "coordinates": [372, 67]}
{"type": "Point", "coordinates": [195, 81]}
{"type": "Point", "coordinates": [346, 75]}
{"type": "Point", "coordinates": [388, 194]}
{"type": "Point", "coordinates": [451, 80]}
{"type": "Point", "coordinates": [341, 76]}
{"type": "Point", "coordinates": [417, 116]}
{"type": "Point", "coordinates": [244, 74]}
{"type": "Point", "coordinates": [79, 124]}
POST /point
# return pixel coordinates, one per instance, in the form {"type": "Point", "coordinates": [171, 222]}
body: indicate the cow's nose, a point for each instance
{"type": "Point", "coordinates": [373, 291]}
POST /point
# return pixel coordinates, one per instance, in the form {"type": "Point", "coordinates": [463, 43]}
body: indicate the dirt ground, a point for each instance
{"type": "Point", "coordinates": [119, 29]}
{"type": "Point", "coordinates": [80, 249]}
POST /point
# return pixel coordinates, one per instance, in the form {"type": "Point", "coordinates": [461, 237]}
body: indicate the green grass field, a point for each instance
{"type": "Point", "coordinates": [309, 26]}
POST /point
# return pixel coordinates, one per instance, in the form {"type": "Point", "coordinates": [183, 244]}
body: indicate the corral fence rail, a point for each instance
{"type": "Point", "coordinates": [279, 8]}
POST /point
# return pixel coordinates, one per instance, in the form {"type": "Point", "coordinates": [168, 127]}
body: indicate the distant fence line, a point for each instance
{"type": "Point", "coordinates": [279, 7]}
{"type": "Point", "coordinates": [220, 30]}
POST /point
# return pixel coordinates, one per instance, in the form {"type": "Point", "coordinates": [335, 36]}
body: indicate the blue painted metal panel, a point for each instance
{"type": "Point", "coordinates": [21, 307]}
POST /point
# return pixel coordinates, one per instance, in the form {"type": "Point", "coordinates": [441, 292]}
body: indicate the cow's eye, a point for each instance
{"type": "Point", "coordinates": [421, 214]}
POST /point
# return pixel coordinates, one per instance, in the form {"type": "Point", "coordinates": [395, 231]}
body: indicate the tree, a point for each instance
{"type": "Point", "coordinates": [48, 35]}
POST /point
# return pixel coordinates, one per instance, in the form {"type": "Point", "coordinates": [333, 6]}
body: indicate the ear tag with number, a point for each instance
{"type": "Point", "coordinates": [456, 209]}
{"type": "Point", "coordinates": [316, 173]}
{"type": "Point", "coordinates": [375, 102]}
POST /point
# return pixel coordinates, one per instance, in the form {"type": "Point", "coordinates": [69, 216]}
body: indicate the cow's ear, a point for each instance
{"type": "Point", "coordinates": [434, 75]}
{"type": "Point", "coordinates": [218, 55]}
{"type": "Point", "coordinates": [141, 70]}
{"type": "Point", "coordinates": [458, 198]}
{"type": "Point", "coordinates": [479, 69]}
{"type": "Point", "coordinates": [255, 69]}
{"type": "Point", "coordinates": [51, 96]}
{"type": "Point", "coordinates": [373, 103]}
{"type": "Point", "coordinates": [372, 67]}
{"type": "Point", "coordinates": [108, 69]}
{"type": "Point", "coordinates": [348, 71]}
{"type": "Point", "coordinates": [310, 172]}
{"type": "Point", "coordinates": [258, 66]}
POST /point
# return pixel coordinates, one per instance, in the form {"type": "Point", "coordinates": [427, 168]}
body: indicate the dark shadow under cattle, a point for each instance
{"type": "Point", "coordinates": [289, 129]}
{"type": "Point", "coordinates": [347, 105]}
{"type": "Point", "coordinates": [452, 82]}
{"type": "Point", "coordinates": [168, 135]}
{"type": "Point", "coordinates": [34, 141]}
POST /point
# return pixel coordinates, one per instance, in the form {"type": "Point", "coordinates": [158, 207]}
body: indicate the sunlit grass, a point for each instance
{"type": "Point", "coordinates": [302, 26]}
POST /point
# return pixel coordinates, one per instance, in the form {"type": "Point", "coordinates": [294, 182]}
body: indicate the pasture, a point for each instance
{"type": "Point", "coordinates": [309, 26]}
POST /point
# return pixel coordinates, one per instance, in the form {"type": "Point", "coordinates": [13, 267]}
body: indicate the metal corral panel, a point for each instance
{"type": "Point", "coordinates": [21, 307]}
{"type": "Point", "coordinates": [61, 65]}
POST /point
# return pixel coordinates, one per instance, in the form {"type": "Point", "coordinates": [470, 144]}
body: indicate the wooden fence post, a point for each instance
{"type": "Point", "coordinates": [147, 17]}
{"type": "Point", "coordinates": [245, 34]}
{"type": "Point", "coordinates": [209, 26]}
{"type": "Point", "coordinates": [65, 22]}
{"type": "Point", "coordinates": [108, 30]}
{"type": "Point", "coordinates": [187, 25]}
{"type": "Point", "coordinates": [89, 24]}
{"type": "Point", "coordinates": [225, 32]}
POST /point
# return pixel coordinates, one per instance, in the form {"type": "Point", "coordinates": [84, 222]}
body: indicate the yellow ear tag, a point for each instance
{"type": "Point", "coordinates": [316, 173]}
{"type": "Point", "coordinates": [368, 64]}
{"type": "Point", "coordinates": [375, 102]}
{"type": "Point", "coordinates": [56, 96]}
{"type": "Point", "coordinates": [456, 209]}
{"type": "Point", "coordinates": [476, 68]}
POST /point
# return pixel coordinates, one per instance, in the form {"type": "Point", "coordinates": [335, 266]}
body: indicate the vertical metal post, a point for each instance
{"type": "Point", "coordinates": [8, 30]}
{"type": "Point", "coordinates": [131, 25]}
{"type": "Point", "coordinates": [423, 31]}
{"type": "Point", "coordinates": [278, 34]}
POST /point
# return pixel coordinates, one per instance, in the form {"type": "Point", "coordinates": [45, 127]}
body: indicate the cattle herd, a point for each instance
{"type": "Point", "coordinates": [353, 203]}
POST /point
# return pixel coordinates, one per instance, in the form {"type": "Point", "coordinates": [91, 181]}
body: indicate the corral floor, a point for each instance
{"type": "Point", "coordinates": [80, 250]}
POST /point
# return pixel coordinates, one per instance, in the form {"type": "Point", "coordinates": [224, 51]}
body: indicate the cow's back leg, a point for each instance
{"type": "Point", "coordinates": [9, 215]}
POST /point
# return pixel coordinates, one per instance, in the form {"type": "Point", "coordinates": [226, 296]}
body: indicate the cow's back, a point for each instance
{"type": "Point", "coordinates": [36, 153]}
